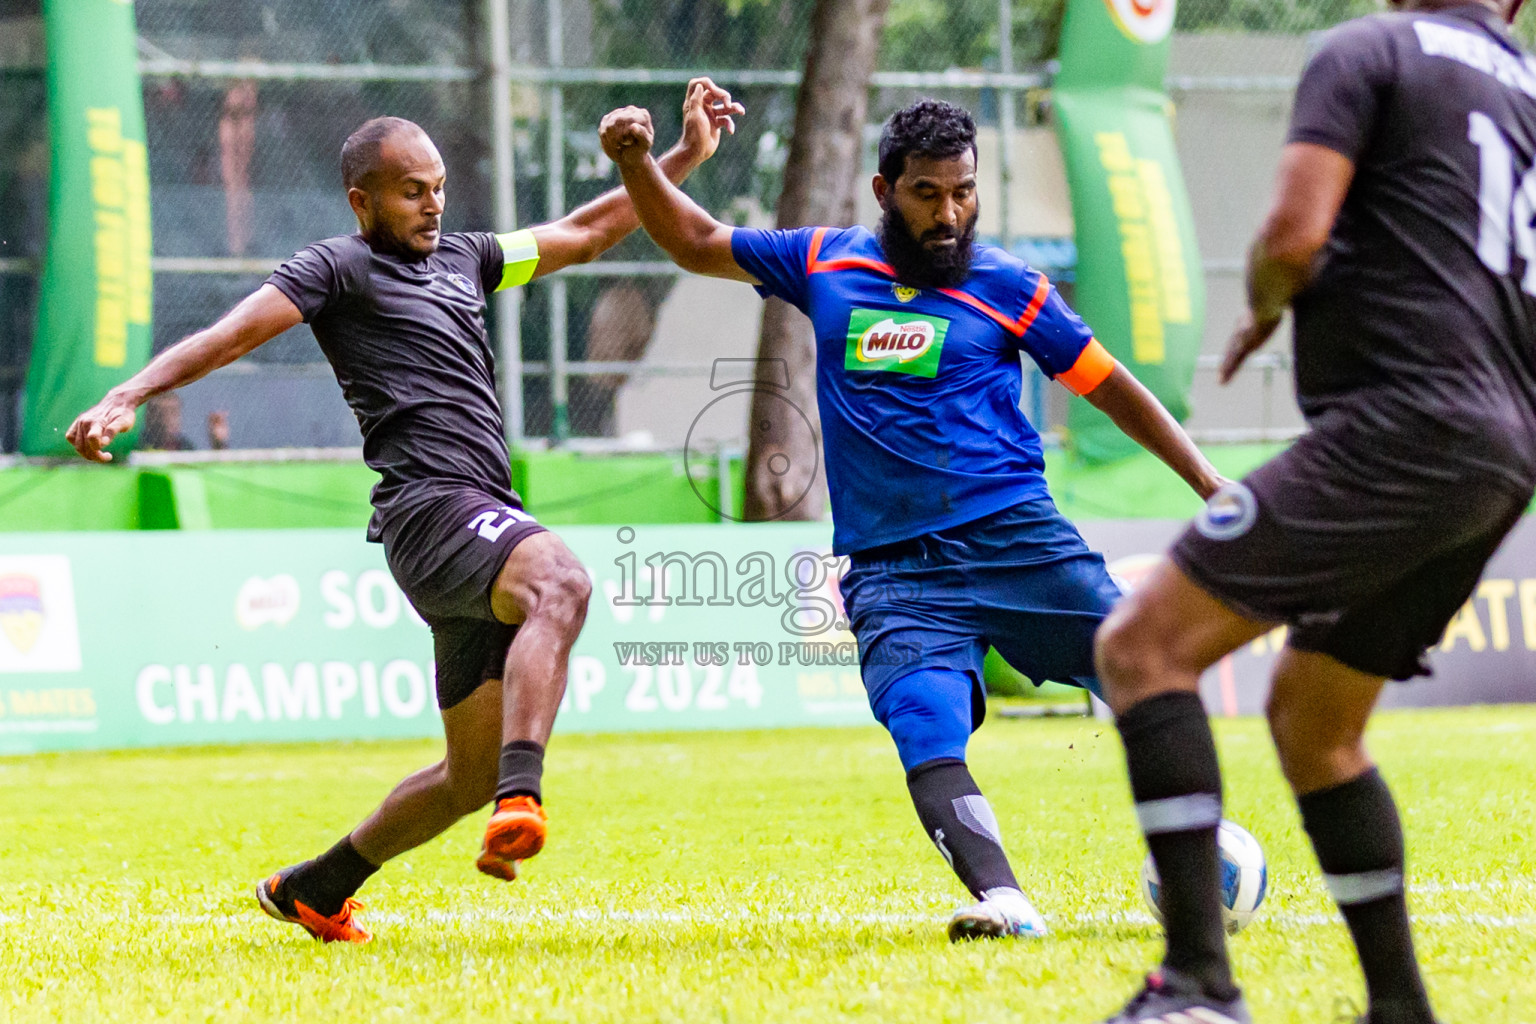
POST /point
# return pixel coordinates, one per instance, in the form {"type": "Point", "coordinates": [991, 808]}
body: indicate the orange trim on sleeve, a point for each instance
{"type": "Point", "coordinates": [1036, 304]}
{"type": "Point", "coordinates": [814, 264]}
{"type": "Point", "coordinates": [1018, 328]}
{"type": "Point", "coordinates": [814, 250]}
{"type": "Point", "coordinates": [984, 309]}
{"type": "Point", "coordinates": [851, 263]}
{"type": "Point", "coordinates": [1093, 367]}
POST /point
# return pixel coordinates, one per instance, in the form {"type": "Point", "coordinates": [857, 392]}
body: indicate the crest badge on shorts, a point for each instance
{"type": "Point", "coordinates": [1229, 513]}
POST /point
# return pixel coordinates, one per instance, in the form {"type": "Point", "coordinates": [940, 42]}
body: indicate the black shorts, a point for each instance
{"type": "Point", "coordinates": [446, 552]}
{"type": "Point", "coordinates": [1365, 552]}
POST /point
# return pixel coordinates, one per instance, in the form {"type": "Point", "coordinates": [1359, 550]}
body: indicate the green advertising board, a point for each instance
{"type": "Point", "coordinates": [1139, 282]}
{"type": "Point", "coordinates": [180, 637]}
{"type": "Point", "coordinates": [93, 320]}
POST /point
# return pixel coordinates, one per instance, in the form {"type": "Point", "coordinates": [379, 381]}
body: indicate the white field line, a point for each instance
{"type": "Point", "coordinates": [744, 915]}
{"type": "Point", "coordinates": [727, 917]}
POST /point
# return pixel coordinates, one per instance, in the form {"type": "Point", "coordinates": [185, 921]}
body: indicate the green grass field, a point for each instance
{"type": "Point", "coordinates": [774, 876]}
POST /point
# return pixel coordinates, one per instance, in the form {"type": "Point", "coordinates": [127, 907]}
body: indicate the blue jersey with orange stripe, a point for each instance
{"type": "Point", "coordinates": [919, 389]}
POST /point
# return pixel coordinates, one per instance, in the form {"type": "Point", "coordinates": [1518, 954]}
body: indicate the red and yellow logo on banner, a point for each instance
{"type": "Point", "coordinates": [1146, 21]}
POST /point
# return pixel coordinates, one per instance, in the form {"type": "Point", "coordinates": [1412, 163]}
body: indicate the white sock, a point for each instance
{"type": "Point", "coordinates": [1003, 894]}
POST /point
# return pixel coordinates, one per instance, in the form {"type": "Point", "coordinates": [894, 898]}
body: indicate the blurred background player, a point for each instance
{"type": "Point", "coordinates": [398, 309]}
{"type": "Point", "coordinates": [936, 477]}
{"type": "Point", "coordinates": [162, 427]}
{"type": "Point", "coordinates": [1402, 238]}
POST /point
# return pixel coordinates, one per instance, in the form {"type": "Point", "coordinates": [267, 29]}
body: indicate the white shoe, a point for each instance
{"type": "Point", "coordinates": [1001, 914]}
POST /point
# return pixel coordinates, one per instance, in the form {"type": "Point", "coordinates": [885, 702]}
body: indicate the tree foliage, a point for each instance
{"type": "Point", "coordinates": [701, 33]}
{"type": "Point", "coordinates": [935, 35]}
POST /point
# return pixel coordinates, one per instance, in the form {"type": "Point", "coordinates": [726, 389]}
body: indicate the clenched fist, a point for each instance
{"type": "Point", "coordinates": [627, 134]}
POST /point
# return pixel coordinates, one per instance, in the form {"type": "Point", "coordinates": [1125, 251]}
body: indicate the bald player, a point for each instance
{"type": "Point", "coordinates": [399, 311]}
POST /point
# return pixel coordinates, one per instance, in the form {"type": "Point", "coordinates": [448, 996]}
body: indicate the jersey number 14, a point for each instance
{"type": "Point", "coordinates": [1501, 204]}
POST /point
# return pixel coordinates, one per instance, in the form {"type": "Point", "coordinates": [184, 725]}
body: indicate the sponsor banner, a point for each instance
{"type": "Point", "coordinates": [1115, 43]}
{"type": "Point", "coordinates": [1139, 283]}
{"type": "Point", "coordinates": [93, 319]}
{"type": "Point", "coordinates": [125, 639]}
{"type": "Point", "coordinates": [129, 639]}
{"type": "Point", "coordinates": [1487, 655]}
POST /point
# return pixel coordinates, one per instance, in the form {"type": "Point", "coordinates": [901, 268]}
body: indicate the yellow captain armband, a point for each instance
{"type": "Point", "coordinates": [520, 255]}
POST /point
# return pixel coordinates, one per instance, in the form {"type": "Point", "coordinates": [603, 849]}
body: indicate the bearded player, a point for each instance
{"type": "Point", "coordinates": [399, 311]}
{"type": "Point", "coordinates": [1401, 236]}
{"type": "Point", "coordinates": [936, 477]}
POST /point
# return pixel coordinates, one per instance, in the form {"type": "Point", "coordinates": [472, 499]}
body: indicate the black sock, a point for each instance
{"type": "Point", "coordinates": [1359, 842]}
{"type": "Point", "coordinates": [961, 824]}
{"type": "Point", "coordinates": [1176, 782]}
{"type": "Point", "coordinates": [522, 770]}
{"type": "Point", "coordinates": [325, 882]}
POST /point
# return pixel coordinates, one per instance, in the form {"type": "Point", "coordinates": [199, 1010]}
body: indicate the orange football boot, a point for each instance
{"type": "Point", "coordinates": [339, 927]}
{"type": "Point", "coordinates": [515, 832]}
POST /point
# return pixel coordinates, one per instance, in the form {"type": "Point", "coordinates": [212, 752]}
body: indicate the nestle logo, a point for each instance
{"type": "Point", "coordinates": [888, 338]}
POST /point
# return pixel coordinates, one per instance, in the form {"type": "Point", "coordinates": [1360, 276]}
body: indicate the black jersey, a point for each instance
{"type": "Point", "coordinates": [1420, 322]}
{"type": "Point", "coordinates": [408, 343]}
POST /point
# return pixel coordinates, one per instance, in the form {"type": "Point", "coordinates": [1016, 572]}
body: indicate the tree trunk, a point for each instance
{"type": "Point", "coordinates": [785, 479]}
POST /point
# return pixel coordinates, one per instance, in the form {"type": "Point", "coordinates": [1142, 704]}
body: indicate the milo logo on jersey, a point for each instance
{"type": "Point", "coordinates": [883, 339]}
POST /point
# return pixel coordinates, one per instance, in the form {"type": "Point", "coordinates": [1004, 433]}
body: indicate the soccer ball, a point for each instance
{"type": "Point", "coordinates": [1244, 877]}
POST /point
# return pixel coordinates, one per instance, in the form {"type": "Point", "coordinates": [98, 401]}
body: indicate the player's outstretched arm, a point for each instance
{"type": "Point", "coordinates": [696, 241]}
{"type": "Point", "coordinates": [1138, 413]}
{"type": "Point", "coordinates": [591, 230]}
{"type": "Point", "coordinates": [1313, 183]}
{"type": "Point", "coordinates": [260, 317]}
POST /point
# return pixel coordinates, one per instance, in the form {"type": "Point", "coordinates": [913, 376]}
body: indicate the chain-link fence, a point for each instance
{"type": "Point", "coordinates": [247, 106]}
{"type": "Point", "coordinates": [624, 348]}
{"type": "Point", "coordinates": [1233, 69]}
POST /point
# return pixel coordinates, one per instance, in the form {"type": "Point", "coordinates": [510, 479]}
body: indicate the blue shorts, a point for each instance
{"type": "Point", "coordinates": [1021, 580]}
